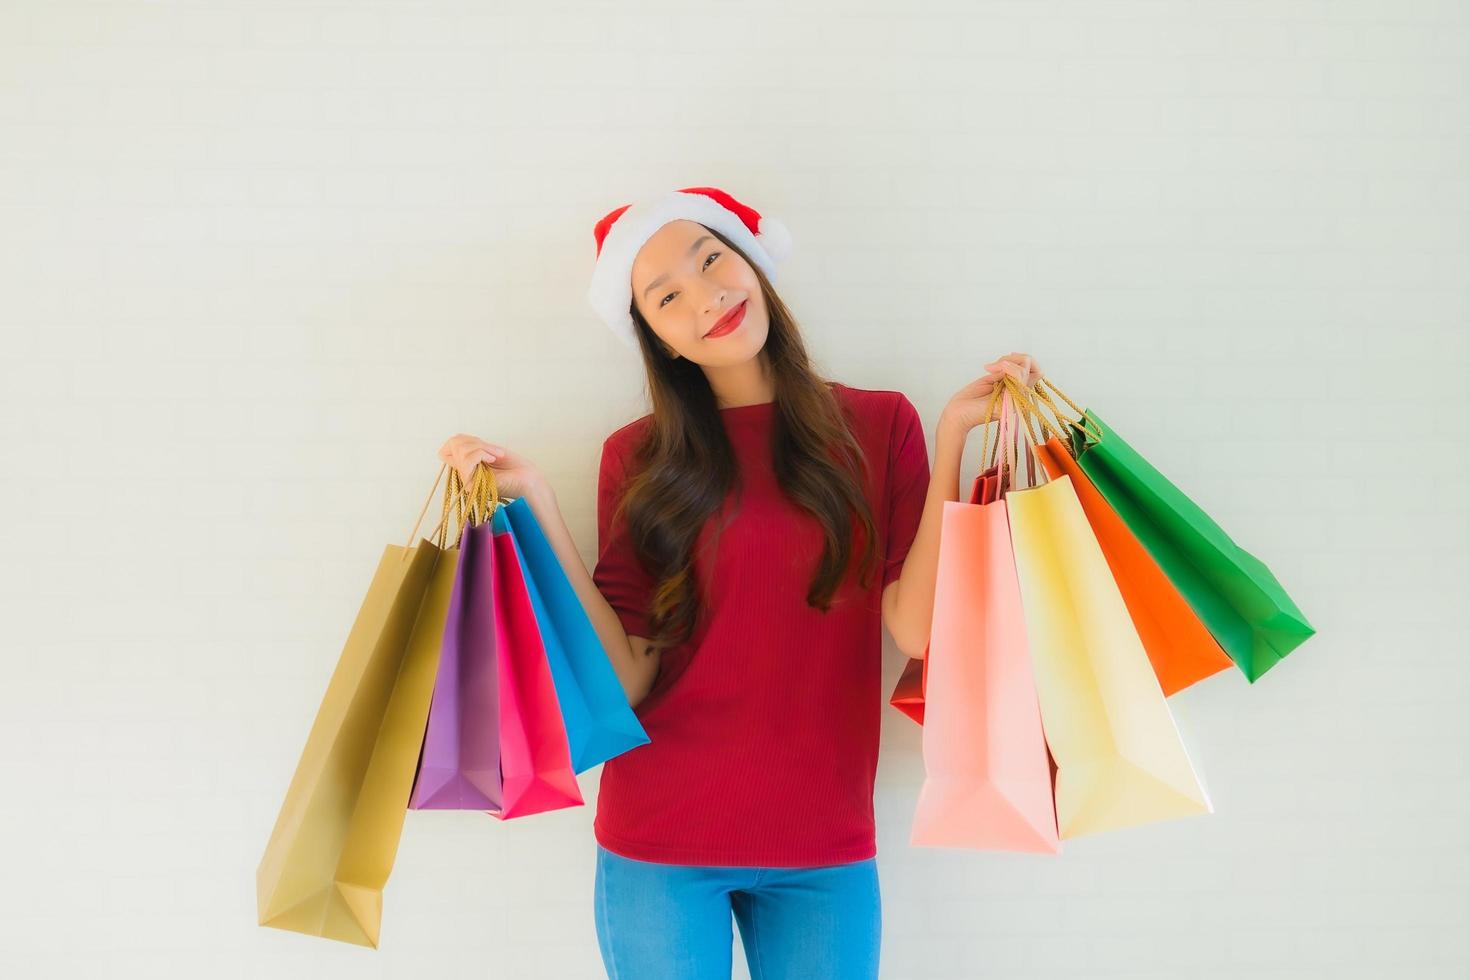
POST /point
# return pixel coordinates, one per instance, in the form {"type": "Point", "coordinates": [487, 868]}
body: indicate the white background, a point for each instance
{"type": "Point", "coordinates": [260, 259]}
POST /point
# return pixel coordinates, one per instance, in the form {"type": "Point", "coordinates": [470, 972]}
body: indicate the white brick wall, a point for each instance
{"type": "Point", "coordinates": [260, 259]}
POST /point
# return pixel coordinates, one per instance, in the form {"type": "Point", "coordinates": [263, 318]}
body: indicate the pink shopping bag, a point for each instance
{"type": "Point", "coordinates": [987, 770]}
{"type": "Point", "coordinates": [535, 757]}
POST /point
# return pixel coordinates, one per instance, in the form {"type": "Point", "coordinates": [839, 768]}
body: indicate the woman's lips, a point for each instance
{"type": "Point", "coordinates": [731, 321]}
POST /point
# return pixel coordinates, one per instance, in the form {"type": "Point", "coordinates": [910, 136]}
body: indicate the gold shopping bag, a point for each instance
{"type": "Point", "coordinates": [333, 844]}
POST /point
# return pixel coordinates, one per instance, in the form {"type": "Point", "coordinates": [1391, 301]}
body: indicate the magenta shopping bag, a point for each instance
{"type": "Point", "coordinates": [535, 755]}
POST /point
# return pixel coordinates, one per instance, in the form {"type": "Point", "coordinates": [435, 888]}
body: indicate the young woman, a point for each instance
{"type": "Point", "coordinates": [755, 531]}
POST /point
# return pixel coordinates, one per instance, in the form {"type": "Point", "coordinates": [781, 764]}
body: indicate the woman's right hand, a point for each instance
{"type": "Point", "coordinates": [515, 475]}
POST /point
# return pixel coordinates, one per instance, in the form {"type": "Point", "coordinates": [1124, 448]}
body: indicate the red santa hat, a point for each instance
{"type": "Point", "coordinates": [622, 232]}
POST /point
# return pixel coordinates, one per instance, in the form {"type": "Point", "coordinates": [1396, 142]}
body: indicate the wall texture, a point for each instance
{"type": "Point", "coordinates": [259, 259]}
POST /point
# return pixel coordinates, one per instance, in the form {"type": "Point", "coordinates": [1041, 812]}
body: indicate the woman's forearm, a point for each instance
{"type": "Point", "coordinates": [605, 621]}
{"type": "Point", "coordinates": [913, 612]}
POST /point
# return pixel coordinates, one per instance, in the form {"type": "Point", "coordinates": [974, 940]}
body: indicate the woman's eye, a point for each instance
{"type": "Point", "coordinates": [706, 265]}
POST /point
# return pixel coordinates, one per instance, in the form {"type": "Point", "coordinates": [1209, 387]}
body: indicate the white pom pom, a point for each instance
{"type": "Point", "coordinates": [775, 239]}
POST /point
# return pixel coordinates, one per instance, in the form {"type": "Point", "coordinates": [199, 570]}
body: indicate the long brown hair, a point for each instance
{"type": "Point", "coordinates": [683, 467]}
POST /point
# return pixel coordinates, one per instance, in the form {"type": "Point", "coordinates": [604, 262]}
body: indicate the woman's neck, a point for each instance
{"type": "Point", "coordinates": [737, 385]}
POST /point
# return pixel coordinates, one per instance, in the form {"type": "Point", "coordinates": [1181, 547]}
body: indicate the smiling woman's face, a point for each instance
{"type": "Point", "coordinates": [685, 280]}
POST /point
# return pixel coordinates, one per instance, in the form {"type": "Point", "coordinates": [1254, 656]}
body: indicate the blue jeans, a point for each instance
{"type": "Point", "coordinates": [657, 921]}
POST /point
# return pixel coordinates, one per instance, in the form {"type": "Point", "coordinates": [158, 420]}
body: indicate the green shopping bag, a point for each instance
{"type": "Point", "coordinates": [1234, 594]}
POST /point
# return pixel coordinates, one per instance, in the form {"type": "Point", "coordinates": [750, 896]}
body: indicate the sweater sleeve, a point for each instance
{"type": "Point", "coordinates": [907, 485]}
{"type": "Point", "coordinates": [618, 574]}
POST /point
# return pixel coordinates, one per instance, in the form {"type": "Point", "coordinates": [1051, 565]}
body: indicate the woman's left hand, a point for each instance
{"type": "Point", "coordinates": [966, 409]}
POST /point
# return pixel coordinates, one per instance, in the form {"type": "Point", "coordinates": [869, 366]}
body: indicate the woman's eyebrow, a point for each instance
{"type": "Point", "coordinates": [697, 242]}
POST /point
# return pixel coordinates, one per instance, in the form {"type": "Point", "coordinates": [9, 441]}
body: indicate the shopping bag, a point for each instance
{"type": "Point", "coordinates": [336, 836]}
{"type": "Point", "coordinates": [459, 768]}
{"type": "Point", "coordinates": [908, 692]}
{"type": "Point", "coordinates": [1119, 755]}
{"type": "Point", "coordinates": [535, 756]}
{"type": "Point", "coordinates": [599, 722]}
{"type": "Point", "coordinates": [1234, 594]}
{"type": "Point", "coordinates": [987, 777]}
{"type": "Point", "coordinates": [986, 486]}
{"type": "Point", "coordinates": [1179, 647]}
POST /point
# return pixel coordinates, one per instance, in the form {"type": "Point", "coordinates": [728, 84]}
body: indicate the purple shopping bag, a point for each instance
{"type": "Point", "coordinates": [459, 767]}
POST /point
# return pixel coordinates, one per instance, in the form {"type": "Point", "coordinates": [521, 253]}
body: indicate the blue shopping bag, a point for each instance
{"type": "Point", "coordinates": [600, 723]}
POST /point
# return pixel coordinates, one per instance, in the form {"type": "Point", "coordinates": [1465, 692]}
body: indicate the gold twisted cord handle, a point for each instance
{"type": "Point", "coordinates": [990, 416]}
{"type": "Point", "coordinates": [1026, 405]}
{"type": "Point", "coordinates": [482, 495]}
{"type": "Point", "coordinates": [1005, 452]}
{"type": "Point", "coordinates": [1023, 406]}
{"type": "Point", "coordinates": [1061, 394]}
{"type": "Point", "coordinates": [1004, 460]}
{"type": "Point", "coordinates": [1082, 422]}
{"type": "Point", "coordinates": [1012, 422]}
{"type": "Point", "coordinates": [443, 521]}
{"type": "Point", "coordinates": [1033, 399]}
{"type": "Point", "coordinates": [1024, 409]}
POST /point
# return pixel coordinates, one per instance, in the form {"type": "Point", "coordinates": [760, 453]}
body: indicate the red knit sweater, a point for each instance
{"type": "Point", "coordinates": [764, 726]}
